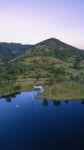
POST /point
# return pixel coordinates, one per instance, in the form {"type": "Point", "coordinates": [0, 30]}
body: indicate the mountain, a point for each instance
{"type": "Point", "coordinates": [48, 61]}
{"type": "Point", "coordinates": [58, 49]}
{"type": "Point", "coordinates": [11, 50]}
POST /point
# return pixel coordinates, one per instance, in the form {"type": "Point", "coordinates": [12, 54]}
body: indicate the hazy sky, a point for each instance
{"type": "Point", "coordinates": [31, 21]}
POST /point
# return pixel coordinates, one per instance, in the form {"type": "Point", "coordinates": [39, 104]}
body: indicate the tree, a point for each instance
{"type": "Point", "coordinates": [76, 64]}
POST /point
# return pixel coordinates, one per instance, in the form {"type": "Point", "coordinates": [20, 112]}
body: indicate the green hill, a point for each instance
{"type": "Point", "coordinates": [51, 59]}
{"type": "Point", "coordinates": [57, 49]}
{"type": "Point", "coordinates": [48, 63]}
{"type": "Point", "coordinates": [11, 50]}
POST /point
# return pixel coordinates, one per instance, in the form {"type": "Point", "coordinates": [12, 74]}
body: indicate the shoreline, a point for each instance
{"type": "Point", "coordinates": [59, 91]}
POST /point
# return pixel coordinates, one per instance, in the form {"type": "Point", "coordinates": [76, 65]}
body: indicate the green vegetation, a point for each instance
{"type": "Point", "coordinates": [66, 91]}
{"type": "Point", "coordinates": [49, 63]}
{"type": "Point", "coordinates": [9, 51]}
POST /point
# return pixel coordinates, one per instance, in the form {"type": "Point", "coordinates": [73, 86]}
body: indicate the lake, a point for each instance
{"type": "Point", "coordinates": [28, 123]}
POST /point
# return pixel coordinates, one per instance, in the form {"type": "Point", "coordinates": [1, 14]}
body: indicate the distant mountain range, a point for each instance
{"type": "Point", "coordinates": [51, 47]}
{"type": "Point", "coordinates": [49, 60]}
{"type": "Point", "coordinates": [11, 50]}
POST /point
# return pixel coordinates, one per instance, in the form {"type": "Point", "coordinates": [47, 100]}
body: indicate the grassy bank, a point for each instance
{"type": "Point", "coordinates": [19, 86]}
{"type": "Point", "coordinates": [7, 89]}
{"type": "Point", "coordinates": [58, 91]}
{"type": "Point", "coordinates": [65, 90]}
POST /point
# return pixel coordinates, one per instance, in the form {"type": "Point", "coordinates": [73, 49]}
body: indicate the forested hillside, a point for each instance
{"type": "Point", "coordinates": [11, 50]}
{"type": "Point", "coordinates": [47, 62]}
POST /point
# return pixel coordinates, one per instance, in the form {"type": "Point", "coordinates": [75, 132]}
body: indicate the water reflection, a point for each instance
{"type": "Point", "coordinates": [57, 102]}
{"type": "Point", "coordinates": [66, 101]}
{"type": "Point", "coordinates": [51, 120]}
{"type": "Point", "coordinates": [45, 102]}
{"type": "Point", "coordinates": [9, 97]}
{"type": "Point", "coordinates": [33, 97]}
{"type": "Point", "coordinates": [82, 102]}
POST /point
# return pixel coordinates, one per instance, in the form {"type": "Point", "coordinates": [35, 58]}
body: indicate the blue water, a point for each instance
{"type": "Point", "coordinates": [27, 123]}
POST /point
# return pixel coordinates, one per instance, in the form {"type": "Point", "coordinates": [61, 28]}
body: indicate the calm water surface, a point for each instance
{"type": "Point", "coordinates": [27, 123]}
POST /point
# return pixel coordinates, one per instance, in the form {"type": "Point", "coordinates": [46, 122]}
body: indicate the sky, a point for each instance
{"type": "Point", "coordinates": [32, 21]}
